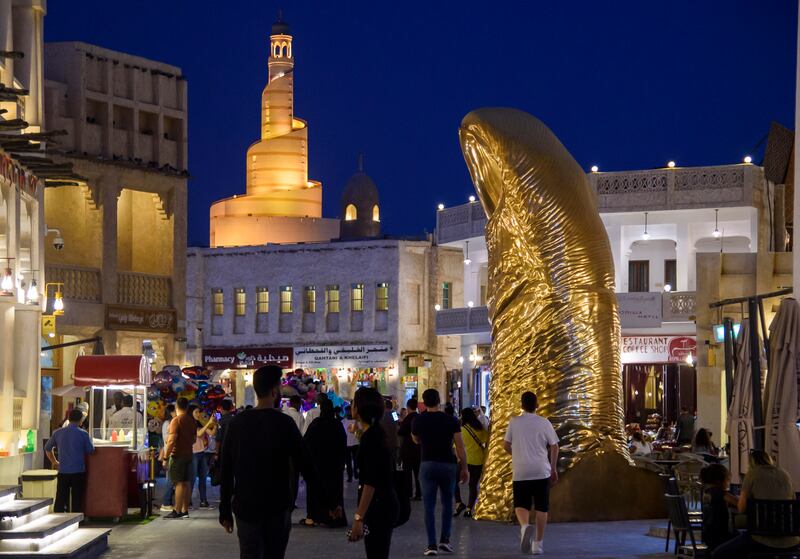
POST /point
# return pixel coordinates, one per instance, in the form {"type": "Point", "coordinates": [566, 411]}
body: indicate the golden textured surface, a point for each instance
{"type": "Point", "coordinates": [555, 327]}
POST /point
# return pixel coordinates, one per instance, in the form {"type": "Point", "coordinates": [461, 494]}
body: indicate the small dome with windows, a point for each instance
{"type": "Point", "coordinates": [360, 207]}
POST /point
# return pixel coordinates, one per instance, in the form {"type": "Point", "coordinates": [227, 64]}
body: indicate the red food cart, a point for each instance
{"type": "Point", "coordinates": [118, 474]}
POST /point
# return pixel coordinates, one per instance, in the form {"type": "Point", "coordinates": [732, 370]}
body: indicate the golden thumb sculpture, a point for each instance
{"type": "Point", "coordinates": [555, 326]}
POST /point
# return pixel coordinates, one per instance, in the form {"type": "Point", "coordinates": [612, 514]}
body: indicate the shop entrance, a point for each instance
{"type": "Point", "coordinates": [655, 392]}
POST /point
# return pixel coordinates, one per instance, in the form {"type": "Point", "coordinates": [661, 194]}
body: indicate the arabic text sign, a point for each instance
{"type": "Point", "coordinates": [658, 349]}
{"type": "Point", "coordinates": [120, 317]}
{"type": "Point", "coordinates": [247, 358]}
{"type": "Point", "coordinates": [352, 356]}
{"type": "Point", "coordinates": [639, 310]}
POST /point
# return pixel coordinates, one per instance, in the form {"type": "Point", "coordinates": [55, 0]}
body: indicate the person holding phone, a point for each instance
{"type": "Point", "coordinates": [378, 506]}
{"type": "Point", "coordinates": [389, 424]}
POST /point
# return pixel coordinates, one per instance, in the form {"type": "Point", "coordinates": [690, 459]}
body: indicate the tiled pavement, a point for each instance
{"type": "Point", "coordinates": [201, 536]}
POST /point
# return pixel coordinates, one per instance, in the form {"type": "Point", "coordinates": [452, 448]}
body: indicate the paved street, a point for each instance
{"type": "Point", "coordinates": [201, 536]}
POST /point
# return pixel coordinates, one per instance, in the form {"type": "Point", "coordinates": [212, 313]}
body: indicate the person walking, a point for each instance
{"type": "Point", "coordinates": [314, 412]}
{"type": "Point", "coordinates": [436, 433]}
{"type": "Point", "coordinates": [261, 446]}
{"type": "Point", "coordinates": [293, 411]}
{"type": "Point", "coordinates": [409, 450]}
{"type": "Point", "coordinates": [350, 428]}
{"type": "Point", "coordinates": [327, 442]}
{"type": "Point", "coordinates": [533, 445]}
{"type": "Point", "coordinates": [169, 490]}
{"type": "Point", "coordinates": [378, 507]}
{"type": "Point", "coordinates": [182, 435]}
{"type": "Point", "coordinates": [475, 439]}
{"type": "Point", "coordinates": [73, 444]}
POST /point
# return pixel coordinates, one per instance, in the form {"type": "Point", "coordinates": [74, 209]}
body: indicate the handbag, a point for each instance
{"type": "Point", "coordinates": [475, 438]}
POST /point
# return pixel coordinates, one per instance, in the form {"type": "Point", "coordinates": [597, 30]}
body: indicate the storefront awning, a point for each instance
{"type": "Point", "coordinates": [112, 370]}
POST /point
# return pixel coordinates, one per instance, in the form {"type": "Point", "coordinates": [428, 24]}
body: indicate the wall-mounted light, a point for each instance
{"type": "Point", "coordinates": [717, 234]}
{"type": "Point", "coordinates": [689, 359]}
{"type": "Point", "coordinates": [671, 164]}
{"type": "Point", "coordinates": [461, 359]}
{"type": "Point", "coordinates": [748, 160]}
{"type": "Point", "coordinates": [467, 261]}
{"type": "Point", "coordinates": [437, 307]}
{"type": "Point", "coordinates": [595, 168]}
{"type": "Point", "coordinates": [7, 283]}
{"type": "Point", "coordinates": [471, 198]}
{"type": "Point", "coordinates": [667, 287]}
{"type": "Point", "coordinates": [470, 304]}
{"type": "Point", "coordinates": [645, 235]}
{"type": "Point", "coordinates": [440, 207]}
{"type": "Point", "coordinates": [58, 297]}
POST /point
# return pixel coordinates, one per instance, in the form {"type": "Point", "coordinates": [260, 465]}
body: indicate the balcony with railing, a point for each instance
{"type": "Point", "coordinates": [144, 290]}
{"type": "Point", "coordinates": [81, 284]}
{"type": "Point", "coordinates": [677, 188]}
{"type": "Point", "coordinates": [460, 222]}
{"type": "Point", "coordinates": [466, 320]}
{"type": "Point", "coordinates": [637, 310]}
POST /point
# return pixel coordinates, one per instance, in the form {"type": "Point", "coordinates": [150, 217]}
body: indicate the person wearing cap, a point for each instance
{"type": "Point", "coordinates": [84, 409]}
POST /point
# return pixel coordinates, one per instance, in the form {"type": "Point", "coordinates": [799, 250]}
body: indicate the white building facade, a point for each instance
{"type": "Point", "coordinates": [351, 313]}
{"type": "Point", "coordinates": [657, 221]}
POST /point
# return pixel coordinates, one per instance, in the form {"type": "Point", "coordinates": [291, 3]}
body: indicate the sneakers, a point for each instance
{"type": "Point", "coordinates": [184, 514]}
{"type": "Point", "coordinates": [166, 508]}
{"type": "Point", "coordinates": [204, 505]}
{"type": "Point", "coordinates": [446, 547]}
{"type": "Point", "coordinates": [175, 514]}
{"type": "Point", "coordinates": [431, 550]}
{"type": "Point", "coordinates": [526, 538]}
{"type": "Point", "coordinates": [537, 548]}
{"type": "Point", "coordinates": [461, 507]}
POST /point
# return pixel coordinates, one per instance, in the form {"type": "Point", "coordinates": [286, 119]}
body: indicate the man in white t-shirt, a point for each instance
{"type": "Point", "coordinates": [293, 411]}
{"type": "Point", "coordinates": [533, 445]}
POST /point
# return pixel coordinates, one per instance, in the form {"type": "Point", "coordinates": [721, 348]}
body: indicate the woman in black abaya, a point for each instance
{"type": "Point", "coordinates": [327, 442]}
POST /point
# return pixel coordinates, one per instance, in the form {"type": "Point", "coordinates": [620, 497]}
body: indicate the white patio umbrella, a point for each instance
{"type": "Point", "coordinates": [782, 437]}
{"type": "Point", "coordinates": [740, 413]}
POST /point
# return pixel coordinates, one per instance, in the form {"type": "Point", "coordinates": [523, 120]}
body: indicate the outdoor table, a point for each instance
{"type": "Point", "coordinates": [668, 464]}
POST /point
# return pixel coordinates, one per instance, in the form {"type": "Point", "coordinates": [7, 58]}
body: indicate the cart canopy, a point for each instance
{"type": "Point", "coordinates": [112, 370]}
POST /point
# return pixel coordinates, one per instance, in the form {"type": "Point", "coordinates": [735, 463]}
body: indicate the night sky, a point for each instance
{"type": "Point", "coordinates": [624, 84]}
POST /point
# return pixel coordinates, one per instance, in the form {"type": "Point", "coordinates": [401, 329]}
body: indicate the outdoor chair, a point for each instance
{"type": "Point", "coordinates": [688, 476]}
{"type": "Point", "coordinates": [773, 518]}
{"type": "Point", "coordinates": [683, 526]}
{"type": "Point", "coordinates": [695, 517]}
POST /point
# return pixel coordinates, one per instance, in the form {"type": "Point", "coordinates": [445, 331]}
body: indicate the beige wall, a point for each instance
{"type": "Point", "coordinates": [144, 235]}
{"type": "Point", "coordinates": [69, 209]}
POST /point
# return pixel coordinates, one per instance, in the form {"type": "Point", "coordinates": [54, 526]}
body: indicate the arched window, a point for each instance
{"type": "Point", "coordinates": [376, 214]}
{"type": "Point", "coordinates": [350, 213]}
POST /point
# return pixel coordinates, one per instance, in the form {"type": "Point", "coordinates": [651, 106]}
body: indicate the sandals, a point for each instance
{"type": "Point", "coordinates": [307, 522]}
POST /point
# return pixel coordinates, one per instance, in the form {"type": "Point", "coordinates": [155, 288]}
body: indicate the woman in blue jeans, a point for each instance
{"type": "Point", "coordinates": [436, 432]}
{"type": "Point", "coordinates": [199, 463]}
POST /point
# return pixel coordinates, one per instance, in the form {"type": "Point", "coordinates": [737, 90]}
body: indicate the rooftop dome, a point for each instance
{"type": "Point", "coordinates": [360, 209]}
{"type": "Point", "coordinates": [280, 27]}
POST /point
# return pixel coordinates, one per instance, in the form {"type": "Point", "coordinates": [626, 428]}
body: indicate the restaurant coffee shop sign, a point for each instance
{"type": "Point", "coordinates": [247, 358]}
{"type": "Point", "coordinates": [349, 356]}
{"type": "Point", "coordinates": [137, 319]}
{"type": "Point", "coordinates": [658, 349]}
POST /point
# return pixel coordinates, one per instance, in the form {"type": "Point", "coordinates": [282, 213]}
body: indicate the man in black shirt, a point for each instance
{"type": "Point", "coordinates": [260, 448]}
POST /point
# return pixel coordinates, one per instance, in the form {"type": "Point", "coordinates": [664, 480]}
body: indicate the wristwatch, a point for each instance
{"type": "Point", "coordinates": [357, 517]}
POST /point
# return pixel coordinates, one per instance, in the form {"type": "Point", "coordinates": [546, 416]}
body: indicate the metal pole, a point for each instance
{"type": "Point", "coordinates": [755, 365]}
{"type": "Point", "coordinates": [764, 331]}
{"type": "Point", "coordinates": [727, 326]}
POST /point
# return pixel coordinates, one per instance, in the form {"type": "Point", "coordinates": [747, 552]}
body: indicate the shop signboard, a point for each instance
{"type": "Point", "coordinates": [247, 357]}
{"type": "Point", "coordinates": [658, 349]}
{"type": "Point", "coordinates": [119, 317]}
{"type": "Point", "coordinates": [342, 357]}
{"type": "Point", "coordinates": [639, 310]}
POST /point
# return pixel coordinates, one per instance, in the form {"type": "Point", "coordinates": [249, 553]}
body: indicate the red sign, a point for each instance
{"type": "Point", "coordinates": [247, 357]}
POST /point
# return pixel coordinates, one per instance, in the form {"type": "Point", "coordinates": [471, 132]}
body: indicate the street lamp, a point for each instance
{"type": "Point", "coordinates": [467, 261]}
{"type": "Point", "coordinates": [645, 235]}
{"type": "Point", "coordinates": [717, 234]}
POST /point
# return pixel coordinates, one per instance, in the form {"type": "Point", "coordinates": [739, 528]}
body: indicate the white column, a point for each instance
{"type": "Point", "coordinates": [684, 254]}
{"type": "Point", "coordinates": [614, 238]}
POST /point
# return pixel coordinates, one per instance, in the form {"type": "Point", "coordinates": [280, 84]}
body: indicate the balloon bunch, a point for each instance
{"type": "Point", "coordinates": [300, 383]}
{"type": "Point", "coordinates": [192, 383]}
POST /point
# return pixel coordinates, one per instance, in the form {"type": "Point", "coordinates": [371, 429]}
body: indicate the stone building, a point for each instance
{"type": "Point", "coordinates": [282, 205]}
{"type": "Point", "coordinates": [669, 230]}
{"type": "Point", "coordinates": [21, 234]}
{"type": "Point", "coordinates": [122, 264]}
